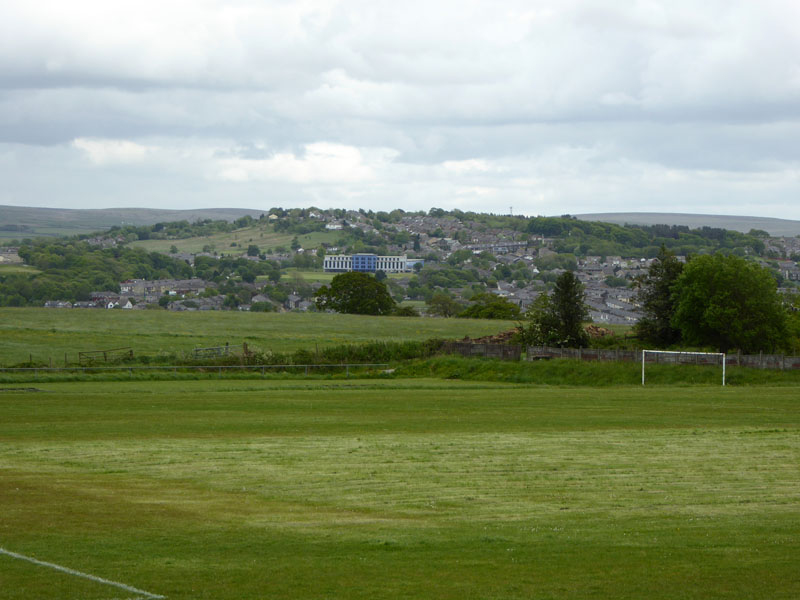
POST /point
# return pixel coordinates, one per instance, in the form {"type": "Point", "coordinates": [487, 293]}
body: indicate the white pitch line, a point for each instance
{"type": "Point", "coordinates": [69, 571]}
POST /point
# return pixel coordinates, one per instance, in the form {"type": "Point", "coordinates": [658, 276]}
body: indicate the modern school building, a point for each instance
{"type": "Point", "coordinates": [366, 263]}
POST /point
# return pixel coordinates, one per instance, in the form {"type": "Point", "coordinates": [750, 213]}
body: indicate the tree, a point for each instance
{"type": "Point", "coordinates": [253, 250]}
{"type": "Point", "coordinates": [655, 296]}
{"type": "Point", "coordinates": [569, 307]}
{"type": "Point", "coordinates": [558, 318]}
{"type": "Point", "coordinates": [355, 293]}
{"type": "Point", "coordinates": [490, 306]}
{"type": "Point", "coordinates": [728, 302]}
{"type": "Point", "coordinates": [442, 305]}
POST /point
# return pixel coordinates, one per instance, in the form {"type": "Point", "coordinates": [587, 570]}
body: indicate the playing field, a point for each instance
{"type": "Point", "coordinates": [398, 489]}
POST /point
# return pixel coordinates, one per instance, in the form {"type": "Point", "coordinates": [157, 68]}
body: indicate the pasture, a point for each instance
{"type": "Point", "coordinates": [42, 334]}
{"type": "Point", "coordinates": [17, 269]}
{"type": "Point", "coordinates": [236, 242]}
{"type": "Point", "coordinates": [399, 489]}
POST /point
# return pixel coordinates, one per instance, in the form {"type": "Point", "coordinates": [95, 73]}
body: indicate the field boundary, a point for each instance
{"type": "Point", "coordinates": [95, 578]}
{"type": "Point", "coordinates": [756, 361]}
{"type": "Point", "coordinates": [183, 368]}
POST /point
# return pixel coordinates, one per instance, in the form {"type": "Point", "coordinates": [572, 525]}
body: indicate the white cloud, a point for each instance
{"type": "Point", "coordinates": [111, 152]}
{"type": "Point", "coordinates": [321, 162]}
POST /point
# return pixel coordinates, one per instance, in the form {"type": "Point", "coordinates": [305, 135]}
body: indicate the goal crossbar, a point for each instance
{"type": "Point", "coordinates": [679, 354]}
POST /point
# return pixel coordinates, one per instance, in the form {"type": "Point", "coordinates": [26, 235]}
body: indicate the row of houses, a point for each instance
{"type": "Point", "coordinates": [155, 288]}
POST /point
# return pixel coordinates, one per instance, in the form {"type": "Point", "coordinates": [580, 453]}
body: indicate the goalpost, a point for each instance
{"type": "Point", "coordinates": [678, 356]}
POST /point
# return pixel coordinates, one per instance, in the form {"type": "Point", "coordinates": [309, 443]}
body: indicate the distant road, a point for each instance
{"type": "Point", "coordinates": [777, 227]}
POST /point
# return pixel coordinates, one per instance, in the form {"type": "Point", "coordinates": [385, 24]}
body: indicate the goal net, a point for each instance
{"type": "Point", "coordinates": [683, 358]}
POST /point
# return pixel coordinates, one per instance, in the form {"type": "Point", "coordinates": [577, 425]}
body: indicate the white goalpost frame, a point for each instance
{"type": "Point", "coordinates": [722, 354]}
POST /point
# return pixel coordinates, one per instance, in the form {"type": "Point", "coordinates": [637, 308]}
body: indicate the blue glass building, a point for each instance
{"type": "Point", "coordinates": [365, 263]}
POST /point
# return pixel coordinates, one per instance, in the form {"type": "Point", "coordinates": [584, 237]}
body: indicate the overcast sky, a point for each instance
{"type": "Point", "coordinates": [540, 107]}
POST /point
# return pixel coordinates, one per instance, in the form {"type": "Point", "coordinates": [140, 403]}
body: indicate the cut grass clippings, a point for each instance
{"type": "Point", "coordinates": [401, 488]}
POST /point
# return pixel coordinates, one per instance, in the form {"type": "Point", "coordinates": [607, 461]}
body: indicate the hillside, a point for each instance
{"type": "Point", "coordinates": [21, 221]}
{"type": "Point", "coordinates": [776, 227]}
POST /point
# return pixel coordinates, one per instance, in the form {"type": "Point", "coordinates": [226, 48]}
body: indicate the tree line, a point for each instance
{"type": "Point", "coordinates": [717, 301]}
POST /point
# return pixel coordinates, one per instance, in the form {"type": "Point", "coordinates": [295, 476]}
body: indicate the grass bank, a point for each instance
{"type": "Point", "coordinates": [566, 372]}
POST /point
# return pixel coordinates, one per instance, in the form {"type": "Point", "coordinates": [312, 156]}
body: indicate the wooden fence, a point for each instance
{"type": "Point", "coordinates": [758, 361]}
{"type": "Point", "coordinates": [502, 351]}
{"type": "Point", "coordinates": [95, 356]}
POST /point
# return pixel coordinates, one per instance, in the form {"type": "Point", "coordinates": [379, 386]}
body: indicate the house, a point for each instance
{"type": "Point", "coordinates": [103, 298]}
{"type": "Point", "coordinates": [85, 304]}
{"type": "Point", "coordinates": [10, 256]}
{"type": "Point", "coordinates": [57, 304]}
{"type": "Point", "coordinates": [293, 301]}
{"type": "Point", "coordinates": [142, 288]}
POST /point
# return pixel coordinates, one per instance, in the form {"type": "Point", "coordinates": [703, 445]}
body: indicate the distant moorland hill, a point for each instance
{"type": "Point", "coordinates": [21, 221]}
{"type": "Point", "coordinates": [776, 227]}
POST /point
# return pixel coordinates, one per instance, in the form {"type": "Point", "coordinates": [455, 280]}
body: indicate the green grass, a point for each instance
{"type": "Point", "coordinates": [325, 277]}
{"type": "Point", "coordinates": [9, 269]}
{"type": "Point", "coordinates": [42, 334]}
{"type": "Point", "coordinates": [262, 235]}
{"type": "Point", "coordinates": [573, 372]}
{"type": "Point", "coordinates": [400, 489]}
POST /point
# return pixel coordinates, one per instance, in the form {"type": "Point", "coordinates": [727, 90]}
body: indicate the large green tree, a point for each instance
{"type": "Point", "coordinates": [443, 305]}
{"type": "Point", "coordinates": [355, 293]}
{"type": "Point", "coordinates": [729, 303]}
{"type": "Point", "coordinates": [489, 306]}
{"type": "Point", "coordinates": [558, 318]}
{"type": "Point", "coordinates": [657, 301]}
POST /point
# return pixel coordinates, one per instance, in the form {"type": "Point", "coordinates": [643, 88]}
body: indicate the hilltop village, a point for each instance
{"type": "Point", "coordinates": [278, 261]}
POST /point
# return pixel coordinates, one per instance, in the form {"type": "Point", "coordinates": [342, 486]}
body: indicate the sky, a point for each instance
{"type": "Point", "coordinates": [530, 107]}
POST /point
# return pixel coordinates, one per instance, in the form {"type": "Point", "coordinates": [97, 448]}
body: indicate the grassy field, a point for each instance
{"type": "Point", "coordinates": [262, 235]}
{"type": "Point", "coordinates": [14, 269]}
{"type": "Point", "coordinates": [399, 489]}
{"type": "Point", "coordinates": [42, 334]}
{"type": "Point", "coordinates": [325, 277]}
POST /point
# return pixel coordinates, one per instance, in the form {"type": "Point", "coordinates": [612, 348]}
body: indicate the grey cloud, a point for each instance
{"type": "Point", "coordinates": [620, 88]}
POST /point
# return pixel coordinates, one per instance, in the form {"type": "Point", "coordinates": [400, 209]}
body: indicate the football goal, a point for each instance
{"type": "Point", "coordinates": [683, 358]}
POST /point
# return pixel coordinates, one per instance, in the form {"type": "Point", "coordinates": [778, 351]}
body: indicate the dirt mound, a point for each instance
{"type": "Point", "coordinates": [596, 331]}
{"type": "Point", "coordinates": [504, 337]}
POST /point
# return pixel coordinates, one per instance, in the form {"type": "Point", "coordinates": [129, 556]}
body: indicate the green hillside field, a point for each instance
{"type": "Point", "coordinates": [262, 235]}
{"type": "Point", "coordinates": [41, 334]}
{"type": "Point", "coordinates": [398, 489]}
